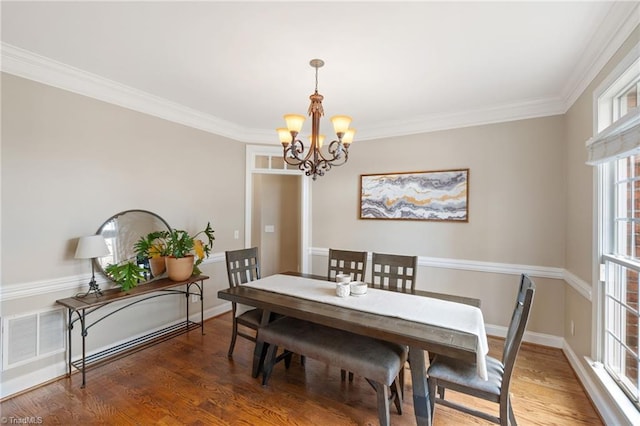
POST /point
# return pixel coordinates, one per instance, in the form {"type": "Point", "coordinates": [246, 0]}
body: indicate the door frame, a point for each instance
{"type": "Point", "coordinates": [270, 152]}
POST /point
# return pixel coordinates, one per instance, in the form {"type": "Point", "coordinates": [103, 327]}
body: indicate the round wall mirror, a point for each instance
{"type": "Point", "coordinates": [122, 230]}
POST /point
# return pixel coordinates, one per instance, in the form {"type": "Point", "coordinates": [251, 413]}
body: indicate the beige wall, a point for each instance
{"type": "Point", "coordinates": [70, 162]}
{"type": "Point", "coordinates": [516, 210]}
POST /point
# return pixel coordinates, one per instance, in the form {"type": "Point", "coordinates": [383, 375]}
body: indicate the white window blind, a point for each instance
{"type": "Point", "coordinates": [619, 140]}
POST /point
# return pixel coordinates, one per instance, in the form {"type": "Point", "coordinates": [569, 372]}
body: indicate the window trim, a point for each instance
{"type": "Point", "coordinates": [610, 141]}
{"type": "Point", "coordinates": [606, 84]}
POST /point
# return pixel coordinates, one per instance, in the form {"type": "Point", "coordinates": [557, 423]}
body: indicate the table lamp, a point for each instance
{"type": "Point", "coordinates": [89, 248]}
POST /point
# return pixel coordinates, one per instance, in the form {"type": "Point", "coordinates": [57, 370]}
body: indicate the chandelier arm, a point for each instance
{"type": "Point", "coordinates": [322, 167]}
{"type": "Point", "coordinates": [308, 167]}
{"type": "Point", "coordinates": [295, 148]}
{"type": "Point", "coordinates": [287, 155]}
{"type": "Point", "coordinates": [340, 160]}
{"type": "Point", "coordinates": [336, 148]}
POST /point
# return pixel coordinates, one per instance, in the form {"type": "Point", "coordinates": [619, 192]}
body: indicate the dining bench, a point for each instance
{"type": "Point", "coordinates": [378, 361]}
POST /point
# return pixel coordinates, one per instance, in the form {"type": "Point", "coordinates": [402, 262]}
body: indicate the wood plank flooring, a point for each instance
{"type": "Point", "coordinates": [190, 381]}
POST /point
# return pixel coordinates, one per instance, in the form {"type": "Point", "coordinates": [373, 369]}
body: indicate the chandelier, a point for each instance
{"type": "Point", "coordinates": [315, 160]}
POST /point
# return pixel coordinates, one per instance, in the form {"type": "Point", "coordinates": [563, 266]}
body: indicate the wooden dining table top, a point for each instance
{"type": "Point", "coordinates": [432, 338]}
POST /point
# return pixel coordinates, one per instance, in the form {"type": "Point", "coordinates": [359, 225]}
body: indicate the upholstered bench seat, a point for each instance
{"type": "Point", "coordinates": [378, 361]}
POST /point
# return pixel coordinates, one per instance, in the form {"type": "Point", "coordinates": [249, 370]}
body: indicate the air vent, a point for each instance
{"type": "Point", "coordinates": [32, 336]}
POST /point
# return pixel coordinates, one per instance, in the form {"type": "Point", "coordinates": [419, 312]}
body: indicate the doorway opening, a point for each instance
{"type": "Point", "coordinates": [277, 215]}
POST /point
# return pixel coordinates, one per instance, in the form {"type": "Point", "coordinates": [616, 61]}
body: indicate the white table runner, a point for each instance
{"type": "Point", "coordinates": [427, 310]}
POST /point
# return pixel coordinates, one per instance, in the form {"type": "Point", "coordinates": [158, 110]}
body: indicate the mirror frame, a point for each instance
{"type": "Point", "coordinates": [101, 262]}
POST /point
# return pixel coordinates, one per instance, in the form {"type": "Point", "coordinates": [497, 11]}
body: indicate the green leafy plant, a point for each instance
{"type": "Point", "coordinates": [181, 244]}
{"type": "Point", "coordinates": [152, 245]}
{"type": "Point", "coordinates": [126, 274]}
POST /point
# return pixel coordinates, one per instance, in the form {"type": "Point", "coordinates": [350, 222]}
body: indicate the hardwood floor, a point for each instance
{"type": "Point", "coordinates": [189, 380]}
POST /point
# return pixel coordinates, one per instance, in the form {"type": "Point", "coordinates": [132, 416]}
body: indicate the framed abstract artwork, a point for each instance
{"type": "Point", "coordinates": [441, 195]}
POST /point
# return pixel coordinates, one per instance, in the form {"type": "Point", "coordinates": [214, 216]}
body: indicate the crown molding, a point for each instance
{"type": "Point", "coordinates": [29, 65]}
{"type": "Point", "coordinates": [32, 66]}
{"type": "Point", "coordinates": [605, 42]}
{"type": "Point", "coordinates": [476, 117]}
{"type": "Point", "coordinates": [622, 19]}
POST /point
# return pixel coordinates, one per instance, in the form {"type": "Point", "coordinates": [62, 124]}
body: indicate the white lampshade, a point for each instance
{"type": "Point", "coordinates": [91, 247]}
{"type": "Point", "coordinates": [348, 136]}
{"type": "Point", "coordinates": [341, 123]}
{"type": "Point", "coordinates": [284, 135]}
{"type": "Point", "coordinates": [294, 122]}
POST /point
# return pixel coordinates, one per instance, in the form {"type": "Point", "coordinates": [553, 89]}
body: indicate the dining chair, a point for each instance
{"type": "Point", "coordinates": [349, 262]}
{"type": "Point", "coordinates": [394, 271]}
{"type": "Point", "coordinates": [448, 373]}
{"type": "Point", "coordinates": [243, 266]}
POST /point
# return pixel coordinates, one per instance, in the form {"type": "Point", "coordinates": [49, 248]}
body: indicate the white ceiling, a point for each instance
{"type": "Point", "coordinates": [234, 68]}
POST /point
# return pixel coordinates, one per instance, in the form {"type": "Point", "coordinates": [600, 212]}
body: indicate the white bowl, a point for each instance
{"type": "Point", "coordinates": [358, 288]}
{"type": "Point", "coordinates": [343, 278]}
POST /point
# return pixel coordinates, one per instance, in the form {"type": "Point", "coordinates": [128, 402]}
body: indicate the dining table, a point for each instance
{"type": "Point", "coordinates": [416, 325]}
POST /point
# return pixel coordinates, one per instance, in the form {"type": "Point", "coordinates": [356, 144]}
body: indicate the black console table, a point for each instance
{"type": "Point", "coordinates": [81, 309]}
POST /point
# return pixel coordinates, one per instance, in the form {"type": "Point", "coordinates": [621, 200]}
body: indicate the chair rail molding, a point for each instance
{"type": "Point", "coordinates": [578, 284]}
{"type": "Point", "coordinates": [74, 283]}
{"type": "Point", "coordinates": [474, 265]}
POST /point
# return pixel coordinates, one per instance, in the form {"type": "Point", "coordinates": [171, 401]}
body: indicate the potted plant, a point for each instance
{"type": "Point", "coordinates": [181, 250]}
{"type": "Point", "coordinates": [153, 247]}
{"type": "Point", "coordinates": [126, 274]}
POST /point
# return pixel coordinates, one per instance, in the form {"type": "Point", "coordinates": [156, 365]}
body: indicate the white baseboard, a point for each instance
{"type": "Point", "coordinates": [607, 404]}
{"type": "Point", "coordinates": [216, 310]}
{"type": "Point", "coordinates": [32, 379]}
{"type": "Point", "coordinates": [529, 336]}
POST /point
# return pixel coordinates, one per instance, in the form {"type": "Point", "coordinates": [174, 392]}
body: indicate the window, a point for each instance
{"type": "Point", "coordinates": [619, 97]}
{"type": "Point", "coordinates": [628, 100]}
{"type": "Point", "coordinates": [615, 150]}
{"type": "Point", "coordinates": [622, 264]}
